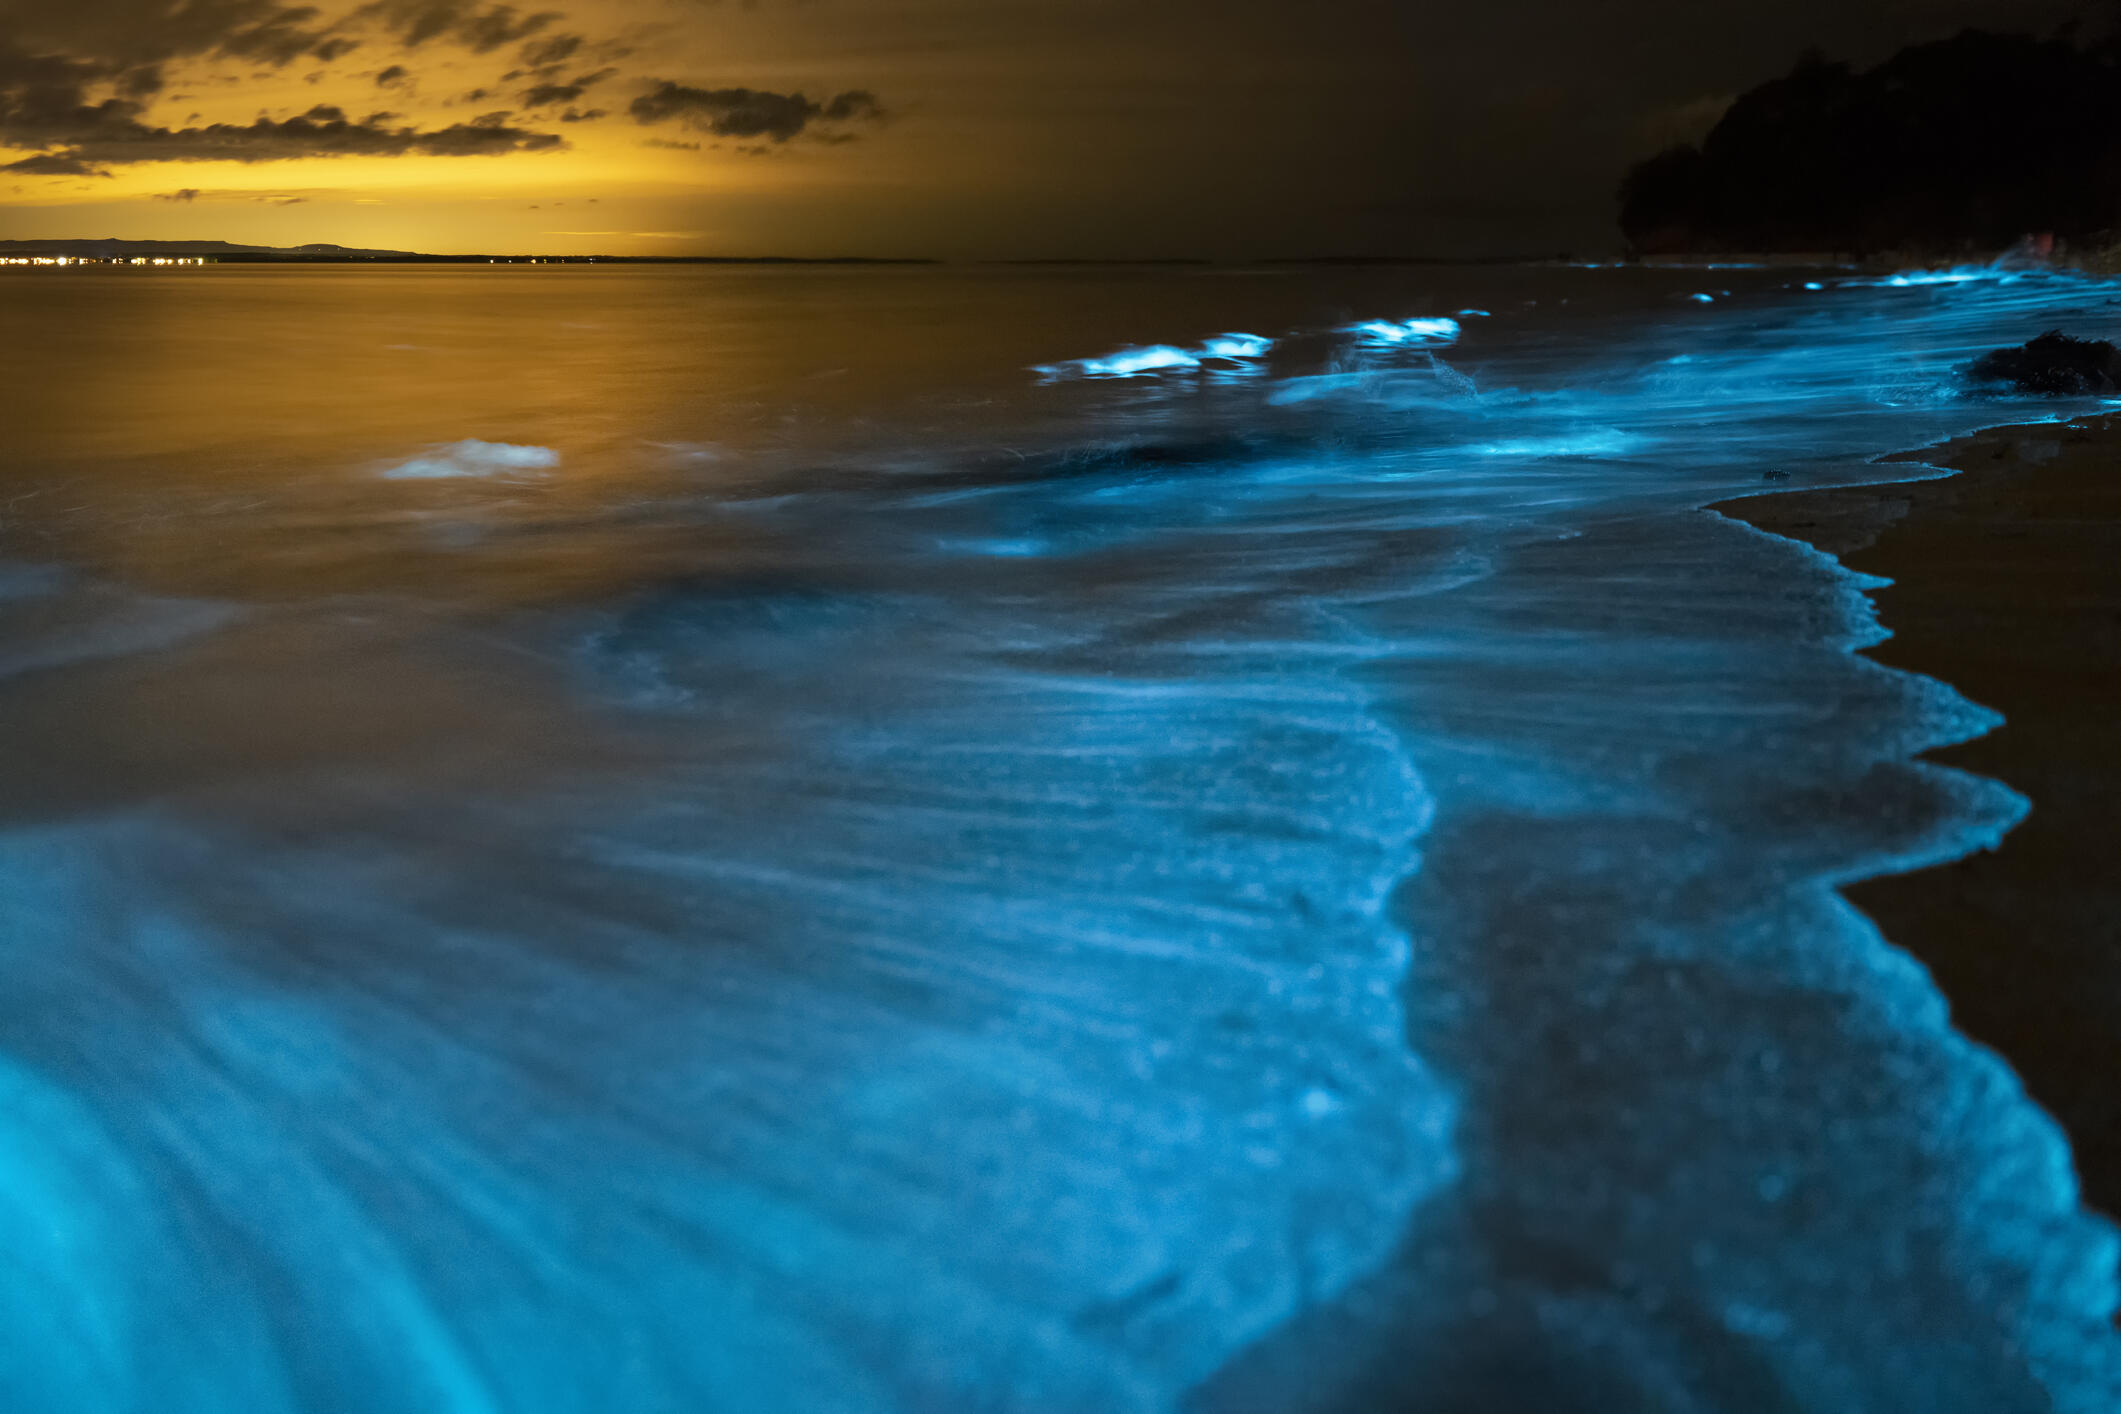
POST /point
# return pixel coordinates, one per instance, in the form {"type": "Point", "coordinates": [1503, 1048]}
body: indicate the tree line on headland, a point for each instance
{"type": "Point", "coordinates": [1964, 145]}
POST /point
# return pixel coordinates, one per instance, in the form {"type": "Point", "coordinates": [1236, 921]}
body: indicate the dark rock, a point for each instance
{"type": "Point", "coordinates": [2053, 365]}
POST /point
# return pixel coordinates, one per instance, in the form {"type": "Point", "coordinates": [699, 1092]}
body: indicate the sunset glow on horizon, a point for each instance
{"type": "Point", "coordinates": [896, 128]}
{"type": "Point", "coordinates": [433, 125]}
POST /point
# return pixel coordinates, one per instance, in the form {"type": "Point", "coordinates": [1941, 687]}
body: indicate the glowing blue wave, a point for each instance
{"type": "Point", "coordinates": [1162, 358]}
{"type": "Point", "coordinates": [1389, 333]}
{"type": "Point", "coordinates": [1331, 867]}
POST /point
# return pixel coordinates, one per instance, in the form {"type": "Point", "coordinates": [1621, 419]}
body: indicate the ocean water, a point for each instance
{"type": "Point", "coordinates": [991, 839]}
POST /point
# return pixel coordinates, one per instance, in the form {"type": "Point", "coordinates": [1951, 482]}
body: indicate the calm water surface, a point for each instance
{"type": "Point", "coordinates": [690, 839]}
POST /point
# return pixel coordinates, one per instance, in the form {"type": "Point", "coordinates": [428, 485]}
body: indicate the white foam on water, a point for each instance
{"type": "Point", "coordinates": [1395, 333]}
{"type": "Point", "coordinates": [1163, 358]}
{"type": "Point", "coordinates": [473, 458]}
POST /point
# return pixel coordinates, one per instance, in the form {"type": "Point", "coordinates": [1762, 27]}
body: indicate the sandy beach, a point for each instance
{"type": "Point", "coordinates": [2007, 585]}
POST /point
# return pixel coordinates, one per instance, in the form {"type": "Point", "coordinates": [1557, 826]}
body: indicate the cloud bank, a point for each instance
{"type": "Point", "coordinates": [79, 83]}
{"type": "Point", "coordinates": [749, 112]}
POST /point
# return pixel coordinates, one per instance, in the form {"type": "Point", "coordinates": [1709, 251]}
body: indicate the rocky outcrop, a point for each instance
{"type": "Point", "coordinates": [2053, 365]}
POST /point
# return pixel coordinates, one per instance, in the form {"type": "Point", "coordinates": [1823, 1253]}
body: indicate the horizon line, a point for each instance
{"type": "Point", "coordinates": [326, 252]}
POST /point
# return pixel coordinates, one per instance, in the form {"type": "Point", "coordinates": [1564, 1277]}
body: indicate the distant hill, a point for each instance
{"type": "Point", "coordinates": [1965, 144]}
{"type": "Point", "coordinates": [110, 248]}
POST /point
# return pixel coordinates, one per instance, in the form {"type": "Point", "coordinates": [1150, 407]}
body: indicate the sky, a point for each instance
{"type": "Point", "coordinates": [954, 129]}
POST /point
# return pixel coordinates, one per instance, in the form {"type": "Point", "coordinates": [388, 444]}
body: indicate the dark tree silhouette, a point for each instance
{"type": "Point", "coordinates": [1970, 142]}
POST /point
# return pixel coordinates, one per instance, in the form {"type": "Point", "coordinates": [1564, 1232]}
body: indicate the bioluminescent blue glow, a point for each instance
{"type": "Point", "coordinates": [1591, 442]}
{"type": "Point", "coordinates": [472, 457]}
{"type": "Point", "coordinates": [1390, 333]}
{"type": "Point", "coordinates": [937, 889]}
{"type": "Point", "coordinates": [1942, 277]}
{"type": "Point", "coordinates": [1162, 358]}
{"type": "Point", "coordinates": [1126, 363]}
{"type": "Point", "coordinates": [2001, 272]}
{"type": "Point", "coordinates": [1236, 346]}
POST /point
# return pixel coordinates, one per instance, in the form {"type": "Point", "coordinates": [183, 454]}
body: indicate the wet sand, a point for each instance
{"type": "Point", "coordinates": [2007, 585]}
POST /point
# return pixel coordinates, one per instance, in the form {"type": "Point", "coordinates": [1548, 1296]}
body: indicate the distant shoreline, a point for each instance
{"type": "Point", "coordinates": [124, 252]}
{"type": "Point", "coordinates": [189, 253]}
{"type": "Point", "coordinates": [11, 253]}
{"type": "Point", "coordinates": [115, 251]}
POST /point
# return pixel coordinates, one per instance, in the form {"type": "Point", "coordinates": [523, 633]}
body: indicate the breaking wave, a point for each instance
{"type": "Point", "coordinates": [1205, 888]}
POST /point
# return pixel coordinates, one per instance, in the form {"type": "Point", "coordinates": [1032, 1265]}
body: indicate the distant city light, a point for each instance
{"type": "Point", "coordinates": [106, 260]}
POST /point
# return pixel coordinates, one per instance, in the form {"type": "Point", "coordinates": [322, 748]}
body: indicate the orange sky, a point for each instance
{"type": "Point", "coordinates": [949, 128]}
{"type": "Point", "coordinates": [588, 176]}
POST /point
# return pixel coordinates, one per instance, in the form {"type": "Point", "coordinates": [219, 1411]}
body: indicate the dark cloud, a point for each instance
{"type": "Point", "coordinates": [181, 194]}
{"type": "Point", "coordinates": [140, 82]}
{"type": "Point", "coordinates": [748, 112]}
{"type": "Point", "coordinates": [557, 49]}
{"type": "Point", "coordinates": [546, 95]}
{"type": "Point", "coordinates": [48, 164]}
{"type": "Point", "coordinates": [124, 44]}
{"type": "Point", "coordinates": [278, 39]}
{"type": "Point", "coordinates": [75, 82]}
{"type": "Point", "coordinates": [665, 142]}
{"type": "Point", "coordinates": [121, 37]}
{"type": "Point", "coordinates": [459, 21]}
{"type": "Point", "coordinates": [483, 136]}
{"type": "Point", "coordinates": [499, 26]}
{"type": "Point", "coordinates": [33, 82]}
{"type": "Point", "coordinates": [77, 79]}
{"type": "Point", "coordinates": [856, 103]}
{"type": "Point", "coordinates": [83, 138]}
